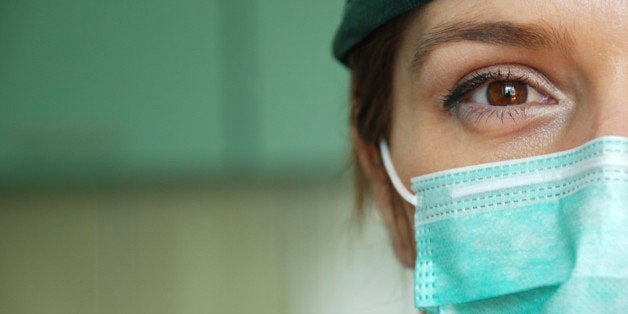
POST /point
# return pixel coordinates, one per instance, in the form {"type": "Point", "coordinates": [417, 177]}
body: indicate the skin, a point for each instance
{"type": "Point", "coordinates": [583, 77]}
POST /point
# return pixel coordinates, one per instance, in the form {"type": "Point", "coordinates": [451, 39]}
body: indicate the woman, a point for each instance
{"type": "Point", "coordinates": [510, 118]}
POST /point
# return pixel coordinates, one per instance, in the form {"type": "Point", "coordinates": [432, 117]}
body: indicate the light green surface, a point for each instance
{"type": "Point", "coordinates": [201, 250]}
{"type": "Point", "coordinates": [151, 89]}
{"type": "Point", "coordinates": [131, 252]}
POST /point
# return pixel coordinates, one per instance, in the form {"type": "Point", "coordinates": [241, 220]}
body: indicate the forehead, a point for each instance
{"type": "Point", "coordinates": [576, 27]}
{"type": "Point", "coordinates": [611, 13]}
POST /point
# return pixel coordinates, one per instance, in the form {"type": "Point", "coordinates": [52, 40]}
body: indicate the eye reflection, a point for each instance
{"type": "Point", "coordinates": [505, 93]}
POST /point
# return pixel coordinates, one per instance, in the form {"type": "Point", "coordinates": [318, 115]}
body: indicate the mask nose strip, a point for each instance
{"type": "Point", "coordinates": [394, 178]}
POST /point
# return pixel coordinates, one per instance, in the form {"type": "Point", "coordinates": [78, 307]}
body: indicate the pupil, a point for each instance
{"type": "Point", "coordinates": [506, 93]}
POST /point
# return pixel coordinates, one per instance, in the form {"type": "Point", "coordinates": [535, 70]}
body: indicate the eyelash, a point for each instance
{"type": "Point", "coordinates": [453, 100]}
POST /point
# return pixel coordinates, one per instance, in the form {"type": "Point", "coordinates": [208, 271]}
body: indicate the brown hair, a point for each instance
{"type": "Point", "coordinates": [372, 64]}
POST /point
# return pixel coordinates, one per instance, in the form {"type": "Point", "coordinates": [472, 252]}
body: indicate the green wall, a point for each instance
{"type": "Point", "coordinates": [118, 90]}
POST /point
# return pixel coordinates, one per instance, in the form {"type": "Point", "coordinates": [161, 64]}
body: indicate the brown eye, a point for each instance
{"type": "Point", "coordinates": [506, 93]}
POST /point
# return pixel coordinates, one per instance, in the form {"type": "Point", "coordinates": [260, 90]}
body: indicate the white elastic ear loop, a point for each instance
{"type": "Point", "coordinates": [392, 174]}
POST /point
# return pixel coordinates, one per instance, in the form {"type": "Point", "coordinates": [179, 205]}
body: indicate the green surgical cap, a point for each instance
{"type": "Point", "coordinates": [362, 17]}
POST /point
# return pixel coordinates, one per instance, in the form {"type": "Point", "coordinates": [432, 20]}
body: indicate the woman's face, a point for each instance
{"type": "Point", "coordinates": [484, 81]}
{"type": "Point", "coordinates": [480, 81]}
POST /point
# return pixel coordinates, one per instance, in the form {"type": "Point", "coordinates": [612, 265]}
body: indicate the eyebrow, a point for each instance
{"type": "Point", "coordinates": [495, 33]}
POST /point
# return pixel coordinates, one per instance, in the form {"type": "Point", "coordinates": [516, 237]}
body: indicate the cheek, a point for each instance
{"type": "Point", "coordinates": [426, 141]}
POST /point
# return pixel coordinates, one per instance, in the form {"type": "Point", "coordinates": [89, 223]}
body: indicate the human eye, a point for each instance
{"type": "Point", "coordinates": [498, 95]}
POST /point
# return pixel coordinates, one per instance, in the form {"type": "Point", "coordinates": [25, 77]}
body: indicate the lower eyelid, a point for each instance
{"type": "Point", "coordinates": [486, 118]}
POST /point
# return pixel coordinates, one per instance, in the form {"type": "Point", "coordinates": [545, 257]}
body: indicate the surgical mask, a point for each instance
{"type": "Point", "coordinates": [543, 234]}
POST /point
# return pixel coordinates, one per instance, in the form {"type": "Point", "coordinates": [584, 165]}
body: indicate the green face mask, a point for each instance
{"type": "Point", "coordinates": [544, 234]}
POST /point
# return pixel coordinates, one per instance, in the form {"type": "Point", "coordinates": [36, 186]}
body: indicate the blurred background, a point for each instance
{"type": "Point", "coordinates": [181, 157]}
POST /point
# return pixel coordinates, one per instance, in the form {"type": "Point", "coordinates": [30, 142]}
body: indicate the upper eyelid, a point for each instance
{"type": "Point", "coordinates": [498, 72]}
{"type": "Point", "coordinates": [480, 78]}
{"type": "Point", "coordinates": [515, 71]}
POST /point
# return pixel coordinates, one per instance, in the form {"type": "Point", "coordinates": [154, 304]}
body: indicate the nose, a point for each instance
{"type": "Point", "coordinates": [613, 121]}
{"type": "Point", "coordinates": [611, 103]}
